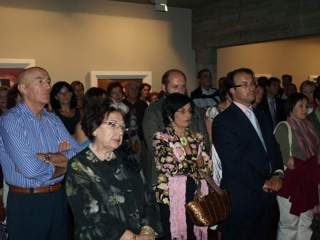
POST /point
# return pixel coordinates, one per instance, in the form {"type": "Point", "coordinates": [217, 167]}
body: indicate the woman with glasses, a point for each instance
{"type": "Point", "coordinates": [179, 153]}
{"type": "Point", "coordinates": [104, 185]}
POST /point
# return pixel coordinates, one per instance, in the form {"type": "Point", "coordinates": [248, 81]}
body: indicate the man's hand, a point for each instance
{"type": "Point", "coordinates": [57, 159]}
{"type": "Point", "coordinates": [64, 146]}
{"type": "Point", "coordinates": [274, 184]}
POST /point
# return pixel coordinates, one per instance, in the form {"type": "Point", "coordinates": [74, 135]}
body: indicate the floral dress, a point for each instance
{"type": "Point", "coordinates": [173, 160]}
{"type": "Point", "coordinates": [108, 197]}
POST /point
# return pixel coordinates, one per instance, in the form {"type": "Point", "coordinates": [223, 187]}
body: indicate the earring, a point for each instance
{"type": "Point", "coordinates": [94, 134]}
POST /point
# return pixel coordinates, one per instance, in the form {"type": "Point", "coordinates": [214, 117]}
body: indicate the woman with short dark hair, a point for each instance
{"type": "Point", "coordinates": [104, 184]}
{"type": "Point", "coordinates": [299, 145]}
{"type": "Point", "coordinates": [64, 103]}
{"type": "Point", "coordinates": [178, 154]}
{"type": "Point", "coordinates": [93, 96]}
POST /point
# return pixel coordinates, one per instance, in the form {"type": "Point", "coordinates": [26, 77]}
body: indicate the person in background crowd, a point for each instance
{"type": "Point", "coordinates": [317, 81]}
{"type": "Point", "coordinates": [271, 104]}
{"type": "Point", "coordinates": [212, 112]}
{"type": "Point", "coordinates": [205, 95]}
{"type": "Point", "coordinates": [290, 89]}
{"type": "Point", "coordinates": [262, 81]}
{"type": "Point", "coordinates": [145, 89]}
{"type": "Point", "coordinates": [13, 96]}
{"type": "Point", "coordinates": [307, 88]}
{"type": "Point", "coordinates": [251, 161]}
{"type": "Point", "coordinates": [116, 94]}
{"type": "Point", "coordinates": [153, 97]}
{"type": "Point", "coordinates": [3, 98]}
{"type": "Point", "coordinates": [34, 148]}
{"type": "Point", "coordinates": [286, 82]}
{"type": "Point", "coordinates": [299, 146]}
{"type": "Point", "coordinates": [94, 95]}
{"type": "Point", "coordinates": [173, 81]}
{"type": "Point", "coordinates": [78, 89]}
{"type": "Point", "coordinates": [64, 104]}
{"type": "Point", "coordinates": [315, 115]}
{"type": "Point", "coordinates": [179, 154]}
{"type": "Point", "coordinates": [104, 187]}
{"type": "Point", "coordinates": [221, 85]}
{"type": "Point", "coordinates": [260, 94]}
{"type": "Point", "coordinates": [135, 115]}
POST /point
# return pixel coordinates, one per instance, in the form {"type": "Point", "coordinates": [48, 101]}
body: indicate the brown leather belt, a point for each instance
{"type": "Point", "coordinates": [47, 189]}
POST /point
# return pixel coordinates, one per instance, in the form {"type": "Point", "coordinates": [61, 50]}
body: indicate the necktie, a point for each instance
{"type": "Point", "coordinates": [273, 110]}
{"type": "Point", "coordinates": [256, 125]}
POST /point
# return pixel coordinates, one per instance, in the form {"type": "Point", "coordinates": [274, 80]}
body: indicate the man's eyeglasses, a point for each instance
{"type": "Point", "coordinates": [246, 85]}
{"type": "Point", "coordinates": [114, 125]}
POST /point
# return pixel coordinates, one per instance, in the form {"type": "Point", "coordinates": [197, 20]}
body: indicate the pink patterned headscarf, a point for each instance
{"type": "Point", "coordinates": [306, 135]}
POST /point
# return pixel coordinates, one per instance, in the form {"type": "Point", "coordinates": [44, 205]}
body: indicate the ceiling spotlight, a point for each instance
{"type": "Point", "coordinates": [161, 5]}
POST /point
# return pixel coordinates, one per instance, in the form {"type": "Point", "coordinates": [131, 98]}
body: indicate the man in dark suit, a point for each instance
{"type": "Point", "coordinates": [251, 161]}
{"type": "Point", "coordinates": [271, 102]}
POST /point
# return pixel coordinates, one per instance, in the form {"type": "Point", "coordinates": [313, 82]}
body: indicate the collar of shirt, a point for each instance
{"type": "Point", "coordinates": [24, 108]}
{"type": "Point", "coordinates": [208, 91]}
{"type": "Point", "coordinates": [243, 108]}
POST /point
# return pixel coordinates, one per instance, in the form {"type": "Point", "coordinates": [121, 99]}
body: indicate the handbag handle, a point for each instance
{"type": "Point", "coordinates": [212, 185]}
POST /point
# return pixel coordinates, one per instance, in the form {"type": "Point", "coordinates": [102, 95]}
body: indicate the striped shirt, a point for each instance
{"type": "Point", "coordinates": [23, 135]}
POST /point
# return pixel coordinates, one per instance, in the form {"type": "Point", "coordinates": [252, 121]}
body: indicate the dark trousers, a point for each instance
{"type": "Point", "coordinates": [41, 216]}
{"type": "Point", "coordinates": [261, 229]}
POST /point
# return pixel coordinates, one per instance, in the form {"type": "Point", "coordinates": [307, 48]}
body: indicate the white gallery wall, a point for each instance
{"type": "Point", "coordinates": [72, 38]}
{"type": "Point", "coordinates": [298, 57]}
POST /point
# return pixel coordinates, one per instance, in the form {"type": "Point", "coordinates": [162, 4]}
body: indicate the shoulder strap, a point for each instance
{"type": "Point", "coordinates": [289, 134]}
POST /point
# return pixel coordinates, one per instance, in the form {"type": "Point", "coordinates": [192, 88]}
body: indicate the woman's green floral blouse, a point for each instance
{"type": "Point", "coordinates": [108, 197]}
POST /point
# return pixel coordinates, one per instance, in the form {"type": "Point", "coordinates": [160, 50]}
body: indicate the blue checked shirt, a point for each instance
{"type": "Point", "coordinates": [23, 135]}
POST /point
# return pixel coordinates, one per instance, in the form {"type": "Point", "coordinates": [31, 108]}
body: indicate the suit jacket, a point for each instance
{"type": "Point", "coordinates": [280, 114]}
{"type": "Point", "coordinates": [152, 123]}
{"type": "Point", "coordinates": [245, 163]}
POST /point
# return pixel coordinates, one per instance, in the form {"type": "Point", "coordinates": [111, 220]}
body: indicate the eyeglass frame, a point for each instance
{"type": "Point", "coordinates": [114, 125]}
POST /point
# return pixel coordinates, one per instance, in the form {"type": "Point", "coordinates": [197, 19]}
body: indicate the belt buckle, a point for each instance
{"type": "Point", "coordinates": [51, 188]}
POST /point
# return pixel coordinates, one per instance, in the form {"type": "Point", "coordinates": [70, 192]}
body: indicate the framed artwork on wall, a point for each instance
{"type": "Point", "coordinates": [10, 69]}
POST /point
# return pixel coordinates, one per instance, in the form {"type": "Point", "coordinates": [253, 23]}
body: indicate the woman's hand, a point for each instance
{"type": "Point", "coordinates": [144, 237]}
{"type": "Point", "coordinates": [290, 163]}
{"type": "Point", "coordinates": [128, 235]}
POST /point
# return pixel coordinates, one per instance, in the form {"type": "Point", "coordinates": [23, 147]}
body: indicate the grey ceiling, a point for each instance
{"type": "Point", "coordinates": [173, 3]}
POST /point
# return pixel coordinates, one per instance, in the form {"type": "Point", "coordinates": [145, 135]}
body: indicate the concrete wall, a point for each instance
{"type": "Point", "coordinates": [298, 57]}
{"type": "Point", "coordinates": [71, 38]}
{"type": "Point", "coordinates": [228, 23]}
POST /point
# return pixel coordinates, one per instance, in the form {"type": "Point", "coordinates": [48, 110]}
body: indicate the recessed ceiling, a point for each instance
{"type": "Point", "coordinates": [173, 3]}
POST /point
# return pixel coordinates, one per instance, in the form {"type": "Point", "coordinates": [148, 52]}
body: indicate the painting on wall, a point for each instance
{"type": "Point", "coordinates": [8, 76]}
